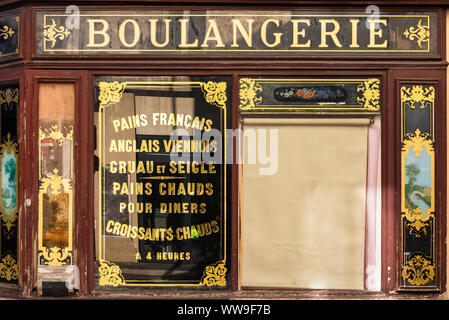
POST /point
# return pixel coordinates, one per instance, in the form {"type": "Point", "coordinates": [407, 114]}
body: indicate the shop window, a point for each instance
{"type": "Point", "coordinates": [9, 148]}
{"type": "Point", "coordinates": [56, 173]}
{"type": "Point", "coordinates": [161, 220]}
{"type": "Point", "coordinates": [315, 222]}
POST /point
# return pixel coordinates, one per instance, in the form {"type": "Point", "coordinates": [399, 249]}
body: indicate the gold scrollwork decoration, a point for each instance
{"type": "Point", "coordinates": [110, 92]}
{"type": "Point", "coordinates": [110, 274]}
{"type": "Point", "coordinates": [56, 134]}
{"type": "Point", "coordinates": [55, 256]}
{"type": "Point", "coordinates": [418, 95]}
{"type": "Point", "coordinates": [8, 268]}
{"type": "Point", "coordinates": [9, 220]}
{"type": "Point", "coordinates": [9, 95]}
{"type": "Point", "coordinates": [52, 32]}
{"type": "Point", "coordinates": [417, 221]}
{"type": "Point", "coordinates": [215, 93]}
{"type": "Point", "coordinates": [214, 275]}
{"type": "Point", "coordinates": [249, 93]}
{"type": "Point", "coordinates": [421, 33]}
{"type": "Point", "coordinates": [370, 90]}
{"type": "Point", "coordinates": [418, 271]}
{"type": "Point", "coordinates": [56, 183]}
{"type": "Point", "coordinates": [417, 141]}
{"type": "Point", "coordinates": [6, 32]}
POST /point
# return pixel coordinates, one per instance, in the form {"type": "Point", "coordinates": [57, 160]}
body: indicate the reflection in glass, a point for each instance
{"type": "Point", "coordinates": [56, 122]}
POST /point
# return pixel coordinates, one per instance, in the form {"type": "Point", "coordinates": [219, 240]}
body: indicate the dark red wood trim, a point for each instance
{"type": "Point", "coordinates": [435, 77]}
{"type": "Point", "coordinates": [80, 236]}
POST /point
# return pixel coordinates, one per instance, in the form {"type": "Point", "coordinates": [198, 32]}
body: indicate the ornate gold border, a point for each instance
{"type": "Point", "coordinates": [418, 95]}
{"type": "Point", "coordinates": [250, 98]}
{"type": "Point", "coordinates": [111, 93]}
{"type": "Point", "coordinates": [418, 270]}
{"type": "Point", "coordinates": [9, 269]}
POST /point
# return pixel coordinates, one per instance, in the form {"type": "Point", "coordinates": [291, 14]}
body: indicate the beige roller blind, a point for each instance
{"type": "Point", "coordinates": [303, 227]}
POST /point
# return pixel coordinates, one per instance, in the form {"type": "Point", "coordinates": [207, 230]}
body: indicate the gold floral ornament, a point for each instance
{"type": "Point", "coordinates": [418, 95]}
{"type": "Point", "coordinates": [56, 183]}
{"type": "Point", "coordinates": [370, 90]}
{"type": "Point", "coordinates": [214, 275]}
{"type": "Point", "coordinates": [110, 92]}
{"type": "Point", "coordinates": [53, 33]}
{"type": "Point", "coordinates": [8, 268]}
{"type": "Point", "coordinates": [215, 93]}
{"type": "Point", "coordinates": [6, 32]}
{"type": "Point", "coordinates": [249, 94]}
{"type": "Point", "coordinates": [418, 271]}
{"type": "Point", "coordinates": [9, 95]}
{"type": "Point", "coordinates": [55, 256]}
{"type": "Point", "coordinates": [417, 221]}
{"type": "Point", "coordinates": [417, 141]}
{"type": "Point", "coordinates": [421, 33]}
{"type": "Point", "coordinates": [110, 274]}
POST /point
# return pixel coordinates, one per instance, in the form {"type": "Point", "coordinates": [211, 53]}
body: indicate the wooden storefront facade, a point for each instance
{"type": "Point", "coordinates": [78, 77]}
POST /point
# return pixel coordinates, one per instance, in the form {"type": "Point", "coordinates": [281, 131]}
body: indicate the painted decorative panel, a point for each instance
{"type": "Point", "coordinates": [9, 99]}
{"type": "Point", "coordinates": [264, 94]}
{"type": "Point", "coordinates": [418, 259]}
{"type": "Point", "coordinates": [226, 32]}
{"type": "Point", "coordinates": [9, 36]}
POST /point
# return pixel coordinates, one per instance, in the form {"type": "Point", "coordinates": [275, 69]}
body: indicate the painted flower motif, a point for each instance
{"type": "Point", "coordinates": [215, 93]}
{"type": "Point", "coordinates": [418, 141]}
{"type": "Point", "coordinates": [110, 92]}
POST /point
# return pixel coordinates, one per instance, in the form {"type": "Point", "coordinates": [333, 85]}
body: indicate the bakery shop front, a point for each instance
{"type": "Point", "coordinates": [232, 151]}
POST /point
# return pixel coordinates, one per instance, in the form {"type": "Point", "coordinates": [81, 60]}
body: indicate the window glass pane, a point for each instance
{"type": "Point", "coordinates": [161, 220]}
{"type": "Point", "coordinates": [56, 127]}
{"type": "Point", "coordinates": [9, 148]}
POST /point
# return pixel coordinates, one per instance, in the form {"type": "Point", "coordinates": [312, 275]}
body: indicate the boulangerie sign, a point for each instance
{"type": "Point", "coordinates": [236, 33]}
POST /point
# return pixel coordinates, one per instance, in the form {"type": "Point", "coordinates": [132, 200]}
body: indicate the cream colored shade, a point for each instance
{"type": "Point", "coordinates": [304, 227]}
